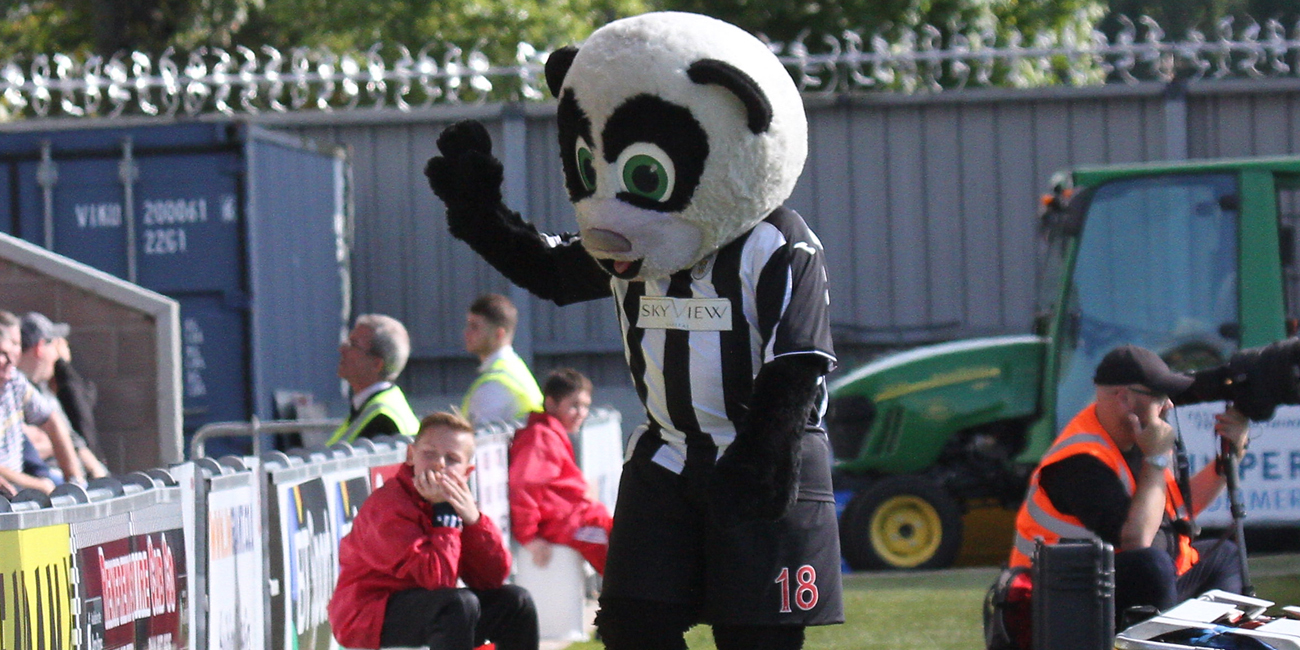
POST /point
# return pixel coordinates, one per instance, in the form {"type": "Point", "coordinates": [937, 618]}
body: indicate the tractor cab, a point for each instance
{"type": "Point", "coordinates": [1194, 260]}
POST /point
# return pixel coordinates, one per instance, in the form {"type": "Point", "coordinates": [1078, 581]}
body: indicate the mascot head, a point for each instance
{"type": "Point", "coordinates": [678, 134]}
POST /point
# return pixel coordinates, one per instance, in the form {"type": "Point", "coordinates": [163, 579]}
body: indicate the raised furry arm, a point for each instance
{"type": "Point", "coordinates": [468, 180]}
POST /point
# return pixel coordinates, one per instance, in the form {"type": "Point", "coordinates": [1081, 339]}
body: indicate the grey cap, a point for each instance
{"type": "Point", "coordinates": [36, 328]}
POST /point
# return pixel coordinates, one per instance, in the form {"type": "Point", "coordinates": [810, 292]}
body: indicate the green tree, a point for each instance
{"type": "Point", "coordinates": [921, 24]}
{"type": "Point", "coordinates": [785, 20]}
{"type": "Point", "coordinates": [106, 27]}
{"type": "Point", "coordinates": [326, 27]}
{"type": "Point", "coordinates": [493, 27]}
{"type": "Point", "coordinates": [1178, 17]}
{"type": "Point", "coordinates": [44, 26]}
{"type": "Point", "coordinates": [500, 24]}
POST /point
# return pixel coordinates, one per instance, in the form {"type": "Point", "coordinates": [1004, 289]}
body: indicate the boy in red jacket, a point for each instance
{"type": "Point", "coordinates": [412, 540]}
{"type": "Point", "coordinates": [550, 502]}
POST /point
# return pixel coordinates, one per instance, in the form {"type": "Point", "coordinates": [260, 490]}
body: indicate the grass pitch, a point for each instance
{"type": "Point", "coordinates": [941, 610]}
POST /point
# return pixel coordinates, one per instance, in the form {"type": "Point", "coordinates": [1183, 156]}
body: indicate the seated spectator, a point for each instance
{"type": "Point", "coordinates": [1110, 476]}
{"type": "Point", "coordinates": [44, 345]}
{"type": "Point", "coordinates": [33, 464]}
{"type": "Point", "coordinates": [550, 501]}
{"type": "Point", "coordinates": [412, 540]}
{"type": "Point", "coordinates": [78, 397]}
{"type": "Point", "coordinates": [21, 403]}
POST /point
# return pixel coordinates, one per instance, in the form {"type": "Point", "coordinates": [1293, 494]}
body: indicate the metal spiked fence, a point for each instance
{"type": "Point", "coordinates": [928, 59]}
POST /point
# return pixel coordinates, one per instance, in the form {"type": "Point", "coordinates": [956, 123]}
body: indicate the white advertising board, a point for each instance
{"type": "Point", "coordinates": [600, 453]}
{"type": "Point", "coordinates": [1269, 471]}
{"type": "Point", "coordinates": [491, 478]}
{"type": "Point", "coordinates": [235, 577]}
{"type": "Point", "coordinates": [309, 554]}
{"type": "Point", "coordinates": [347, 490]}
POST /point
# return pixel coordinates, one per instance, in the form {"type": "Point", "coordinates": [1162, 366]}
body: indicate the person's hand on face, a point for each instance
{"type": "Point", "coordinates": [61, 349]}
{"type": "Point", "coordinates": [540, 549]}
{"type": "Point", "coordinates": [441, 461]}
{"type": "Point", "coordinates": [1153, 435]}
{"type": "Point", "coordinates": [456, 490]}
{"type": "Point", "coordinates": [10, 350]}
{"type": "Point", "coordinates": [429, 487]}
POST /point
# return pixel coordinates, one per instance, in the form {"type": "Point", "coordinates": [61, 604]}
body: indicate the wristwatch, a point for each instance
{"type": "Point", "coordinates": [1159, 460]}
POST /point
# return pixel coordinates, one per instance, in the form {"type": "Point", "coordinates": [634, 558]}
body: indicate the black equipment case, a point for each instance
{"type": "Point", "coordinates": [1074, 595]}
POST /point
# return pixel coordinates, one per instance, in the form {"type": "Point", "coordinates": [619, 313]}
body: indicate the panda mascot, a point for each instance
{"type": "Point", "coordinates": [680, 137]}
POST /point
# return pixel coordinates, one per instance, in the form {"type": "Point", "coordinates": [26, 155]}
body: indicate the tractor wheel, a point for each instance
{"type": "Point", "coordinates": [901, 522]}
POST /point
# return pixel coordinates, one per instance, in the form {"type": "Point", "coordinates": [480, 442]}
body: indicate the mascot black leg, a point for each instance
{"type": "Point", "coordinates": [629, 624]}
{"type": "Point", "coordinates": [758, 637]}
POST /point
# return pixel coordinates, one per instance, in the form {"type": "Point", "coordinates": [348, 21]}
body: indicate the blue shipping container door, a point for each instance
{"type": "Point", "coordinates": [8, 211]}
{"type": "Point", "coordinates": [298, 263]}
{"type": "Point", "coordinates": [188, 233]}
{"type": "Point", "coordinates": [88, 219]}
{"type": "Point", "coordinates": [242, 226]}
{"type": "Point", "coordinates": [212, 354]}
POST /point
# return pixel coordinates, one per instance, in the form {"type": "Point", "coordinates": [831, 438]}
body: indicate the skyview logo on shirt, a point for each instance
{"type": "Point", "coordinates": [691, 314]}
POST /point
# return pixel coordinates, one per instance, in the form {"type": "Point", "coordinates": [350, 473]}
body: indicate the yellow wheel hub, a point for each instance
{"type": "Point", "coordinates": [906, 531]}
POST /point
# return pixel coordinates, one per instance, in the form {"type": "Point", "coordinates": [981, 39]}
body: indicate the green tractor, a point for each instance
{"type": "Point", "coordinates": [1194, 260]}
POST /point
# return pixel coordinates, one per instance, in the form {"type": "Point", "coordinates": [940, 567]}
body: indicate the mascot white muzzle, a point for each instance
{"type": "Point", "coordinates": [678, 133]}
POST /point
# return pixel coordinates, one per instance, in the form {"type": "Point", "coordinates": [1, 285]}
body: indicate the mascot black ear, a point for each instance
{"type": "Point", "coordinates": [743, 86]}
{"type": "Point", "coordinates": [557, 67]}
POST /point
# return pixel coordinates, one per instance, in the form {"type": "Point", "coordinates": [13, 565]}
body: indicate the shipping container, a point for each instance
{"type": "Point", "coordinates": [245, 227]}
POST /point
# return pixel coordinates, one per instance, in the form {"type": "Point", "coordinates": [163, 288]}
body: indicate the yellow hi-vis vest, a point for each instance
{"type": "Point", "coordinates": [1039, 518]}
{"type": "Point", "coordinates": [391, 402]}
{"type": "Point", "coordinates": [511, 372]}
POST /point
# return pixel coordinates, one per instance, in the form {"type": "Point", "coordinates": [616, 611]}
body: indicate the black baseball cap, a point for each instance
{"type": "Point", "coordinates": [1130, 364]}
{"type": "Point", "coordinates": [36, 328]}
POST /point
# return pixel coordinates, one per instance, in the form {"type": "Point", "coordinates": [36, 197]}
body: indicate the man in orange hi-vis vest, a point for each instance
{"type": "Point", "coordinates": [1110, 475]}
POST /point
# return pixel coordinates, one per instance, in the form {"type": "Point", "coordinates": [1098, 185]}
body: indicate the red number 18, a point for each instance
{"type": "Point", "coordinates": [805, 591]}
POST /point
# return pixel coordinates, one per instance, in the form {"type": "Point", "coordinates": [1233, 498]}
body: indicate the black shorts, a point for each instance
{"type": "Point", "coordinates": [664, 547]}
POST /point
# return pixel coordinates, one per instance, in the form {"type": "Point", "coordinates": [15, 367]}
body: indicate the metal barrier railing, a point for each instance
{"type": "Point", "coordinates": [255, 428]}
{"type": "Point", "coordinates": [84, 559]}
{"type": "Point", "coordinates": [239, 551]}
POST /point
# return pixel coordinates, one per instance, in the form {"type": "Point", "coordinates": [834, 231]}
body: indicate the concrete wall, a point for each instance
{"type": "Point", "coordinates": [124, 339]}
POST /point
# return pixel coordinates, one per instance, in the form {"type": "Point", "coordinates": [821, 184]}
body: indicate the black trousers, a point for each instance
{"type": "Point", "coordinates": [633, 624]}
{"type": "Point", "coordinates": [1147, 576]}
{"type": "Point", "coordinates": [461, 619]}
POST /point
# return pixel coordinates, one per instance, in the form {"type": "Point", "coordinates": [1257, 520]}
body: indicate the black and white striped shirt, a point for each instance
{"type": "Point", "coordinates": [695, 341]}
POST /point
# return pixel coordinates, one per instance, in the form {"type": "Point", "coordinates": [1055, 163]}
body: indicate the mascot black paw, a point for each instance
{"type": "Point", "coordinates": [758, 476]}
{"type": "Point", "coordinates": [466, 176]}
{"type": "Point", "coordinates": [753, 485]}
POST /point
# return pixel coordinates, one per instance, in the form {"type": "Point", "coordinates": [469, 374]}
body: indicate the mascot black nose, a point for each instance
{"type": "Point", "coordinates": [606, 241]}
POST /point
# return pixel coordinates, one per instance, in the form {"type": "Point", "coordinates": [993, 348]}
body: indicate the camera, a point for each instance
{"type": "Point", "coordinates": [1255, 380]}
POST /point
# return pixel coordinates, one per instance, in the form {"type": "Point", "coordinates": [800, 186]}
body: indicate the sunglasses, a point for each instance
{"type": "Point", "coordinates": [1141, 390]}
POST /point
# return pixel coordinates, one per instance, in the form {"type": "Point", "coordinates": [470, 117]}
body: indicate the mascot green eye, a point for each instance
{"type": "Point", "coordinates": [645, 170]}
{"type": "Point", "coordinates": [586, 166]}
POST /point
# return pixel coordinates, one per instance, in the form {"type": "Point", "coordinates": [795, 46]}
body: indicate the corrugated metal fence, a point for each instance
{"type": "Point", "coordinates": [926, 204]}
